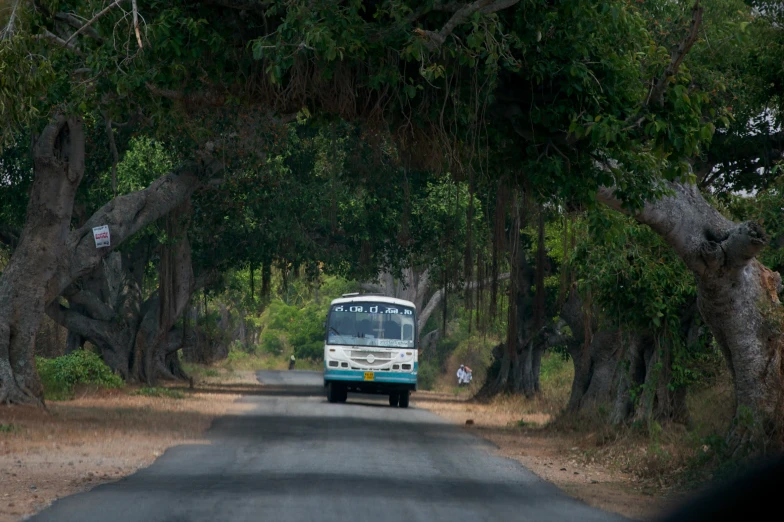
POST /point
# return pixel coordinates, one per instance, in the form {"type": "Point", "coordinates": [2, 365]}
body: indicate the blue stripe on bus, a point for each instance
{"type": "Point", "coordinates": [359, 375]}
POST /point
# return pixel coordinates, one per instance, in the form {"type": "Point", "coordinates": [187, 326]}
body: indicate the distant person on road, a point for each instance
{"type": "Point", "coordinates": [461, 373]}
{"type": "Point", "coordinates": [292, 361]}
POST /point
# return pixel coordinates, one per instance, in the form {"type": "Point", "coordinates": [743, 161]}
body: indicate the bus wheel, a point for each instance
{"type": "Point", "coordinates": [393, 399]}
{"type": "Point", "coordinates": [333, 392]}
{"type": "Point", "coordinates": [404, 396]}
{"type": "Point", "coordinates": [343, 394]}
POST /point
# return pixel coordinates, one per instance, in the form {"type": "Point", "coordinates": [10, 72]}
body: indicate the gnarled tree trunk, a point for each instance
{"type": "Point", "coordinates": [135, 338]}
{"type": "Point", "coordinates": [610, 364]}
{"type": "Point", "coordinates": [105, 306]}
{"type": "Point", "coordinates": [737, 297]}
{"type": "Point", "coordinates": [58, 158]}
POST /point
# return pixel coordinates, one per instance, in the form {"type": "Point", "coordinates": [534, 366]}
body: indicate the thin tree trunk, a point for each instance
{"type": "Point", "coordinates": [58, 158]}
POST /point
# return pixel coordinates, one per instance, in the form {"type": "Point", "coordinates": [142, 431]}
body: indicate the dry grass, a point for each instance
{"type": "Point", "coordinates": [101, 436]}
{"type": "Point", "coordinates": [240, 361]}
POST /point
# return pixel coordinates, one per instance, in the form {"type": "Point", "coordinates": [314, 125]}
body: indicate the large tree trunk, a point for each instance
{"type": "Point", "coordinates": [136, 339]}
{"type": "Point", "coordinates": [518, 371]}
{"type": "Point", "coordinates": [737, 297]}
{"type": "Point", "coordinates": [59, 166]}
{"type": "Point", "coordinates": [610, 363]}
{"type": "Point", "coordinates": [105, 306]}
{"type": "Point", "coordinates": [153, 344]}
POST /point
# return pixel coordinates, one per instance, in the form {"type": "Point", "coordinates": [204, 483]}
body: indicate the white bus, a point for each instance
{"type": "Point", "coordinates": [371, 347]}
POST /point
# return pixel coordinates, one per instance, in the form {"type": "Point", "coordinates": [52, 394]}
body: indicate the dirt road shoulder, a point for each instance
{"type": "Point", "coordinates": [103, 436]}
{"type": "Point", "coordinates": [549, 455]}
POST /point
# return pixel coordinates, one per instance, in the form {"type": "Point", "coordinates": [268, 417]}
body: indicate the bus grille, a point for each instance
{"type": "Point", "coordinates": [360, 358]}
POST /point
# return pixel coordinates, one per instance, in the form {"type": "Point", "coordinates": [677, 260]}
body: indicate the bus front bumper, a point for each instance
{"type": "Point", "coordinates": [381, 382]}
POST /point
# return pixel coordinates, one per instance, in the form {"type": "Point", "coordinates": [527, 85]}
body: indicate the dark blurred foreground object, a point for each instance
{"type": "Point", "coordinates": [743, 498]}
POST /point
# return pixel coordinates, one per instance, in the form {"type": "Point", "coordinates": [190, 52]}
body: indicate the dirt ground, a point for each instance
{"type": "Point", "coordinates": [101, 436]}
{"type": "Point", "coordinates": [552, 456]}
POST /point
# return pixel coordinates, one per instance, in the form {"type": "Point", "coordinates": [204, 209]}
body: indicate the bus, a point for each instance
{"type": "Point", "coordinates": [371, 347]}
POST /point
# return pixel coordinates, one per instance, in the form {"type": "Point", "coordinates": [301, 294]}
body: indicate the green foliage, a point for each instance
{"type": "Point", "coordinates": [427, 374]}
{"type": "Point", "coordinates": [308, 336]}
{"type": "Point", "coordinates": [272, 341]}
{"type": "Point", "coordinates": [25, 77]}
{"type": "Point", "coordinates": [61, 374]}
{"type": "Point", "coordinates": [8, 428]}
{"type": "Point", "coordinates": [160, 392]}
{"type": "Point", "coordinates": [441, 216]}
{"type": "Point", "coordinates": [635, 278]}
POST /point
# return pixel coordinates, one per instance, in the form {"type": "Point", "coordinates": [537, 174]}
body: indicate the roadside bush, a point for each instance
{"type": "Point", "coordinates": [272, 342]}
{"type": "Point", "coordinates": [61, 374]}
{"type": "Point", "coordinates": [427, 375]}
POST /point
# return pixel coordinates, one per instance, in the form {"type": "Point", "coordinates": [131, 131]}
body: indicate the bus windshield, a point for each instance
{"type": "Point", "coordinates": [383, 325]}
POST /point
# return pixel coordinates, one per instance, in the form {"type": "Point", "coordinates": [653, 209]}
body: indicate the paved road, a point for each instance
{"type": "Point", "coordinates": [296, 457]}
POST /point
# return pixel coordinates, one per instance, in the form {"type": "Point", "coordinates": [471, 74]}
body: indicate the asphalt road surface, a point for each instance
{"type": "Point", "coordinates": [296, 457]}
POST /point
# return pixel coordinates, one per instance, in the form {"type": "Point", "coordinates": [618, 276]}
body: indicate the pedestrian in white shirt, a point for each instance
{"type": "Point", "coordinates": [460, 375]}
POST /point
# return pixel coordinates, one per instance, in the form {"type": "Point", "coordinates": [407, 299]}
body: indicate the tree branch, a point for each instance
{"type": "Point", "coordinates": [126, 215]}
{"type": "Point", "coordinates": [76, 23]}
{"type": "Point", "coordinates": [700, 235]}
{"type": "Point", "coordinates": [94, 306]}
{"type": "Point", "coordinates": [113, 148]}
{"type": "Point", "coordinates": [59, 41]}
{"type": "Point", "coordinates": [136, 23]}
{"type": "Point", "coordinates": [657, 93]}
{"type": "Point", "coordinates": [94, 19]}
{"type": "Point", "coordinates": [8, 30]}
{"type": "Point", "coordinates": [93, 329]}
{"type": "Point", "coordinates": [437, 39]}
{"type": "Point", "coordinates": [370, 287]}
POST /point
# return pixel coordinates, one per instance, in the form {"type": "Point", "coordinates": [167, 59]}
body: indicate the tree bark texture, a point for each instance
{"type": "Point", "coordinates": [737, 297]}
{"type": "Point", "coordinates": [620, 375]}
{"type": "Point", "coordinates": [126, 215]}
{"type": "Point", "coordinates": [517, 368]}
{"type": "Point", "coordinates": [106, 308]}
{"type": "Point", "coordinates": [58, 158]}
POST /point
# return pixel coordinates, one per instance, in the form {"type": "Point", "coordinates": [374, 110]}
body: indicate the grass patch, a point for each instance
{"type": "Point", "coordinates": [200, 372]}
{"type": "Point", "coordinates": [240, 360]}
{"type": "Point", "coordinates": [160, 392]}
{"type": "Point", "coordinates": [60, 375]}
{"type": "Point", "coordinates": [7, 428]}
{"type": "Point", "coordinates": [555, 379]}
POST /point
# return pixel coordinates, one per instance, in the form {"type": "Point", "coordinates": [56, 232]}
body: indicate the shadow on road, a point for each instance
{"type": "Point", "coordinates": [256, 390]}
{"type": "Point", "coordinates": [333, 485]}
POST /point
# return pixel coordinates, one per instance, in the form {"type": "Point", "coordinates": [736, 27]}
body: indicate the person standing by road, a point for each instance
{"type": "Point", "coordinates": [460, 375]}
{"type": "Point", "coordinates": [292, 361]}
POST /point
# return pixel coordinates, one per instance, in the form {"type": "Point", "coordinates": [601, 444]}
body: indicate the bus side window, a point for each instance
{"type": "Point", "coordinates": [408, 332]}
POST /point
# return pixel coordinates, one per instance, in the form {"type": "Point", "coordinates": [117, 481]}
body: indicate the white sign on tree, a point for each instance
{"type": "Point", "coordinates": [101, 235]}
